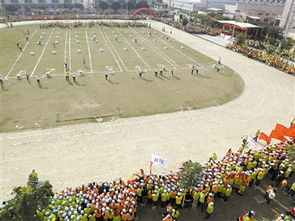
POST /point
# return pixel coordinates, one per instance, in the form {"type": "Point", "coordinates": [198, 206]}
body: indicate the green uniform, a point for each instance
{"type": "Point", "coordinates": [210, 209]}
{"type": "Point", "coordinates": [155, 197]}
{"type": "Point", "coordinates": [228, 192]}
{"type": "Point", "coordinates": [175, 213]}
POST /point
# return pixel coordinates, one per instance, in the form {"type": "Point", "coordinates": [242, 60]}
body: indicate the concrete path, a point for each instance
{"type": "Point", "coordinates": [221, 39]}
{"type": "Point", "coordinates": [77, 154]}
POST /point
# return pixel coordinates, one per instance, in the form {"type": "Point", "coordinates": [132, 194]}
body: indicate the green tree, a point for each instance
{"type": "Point", "coordinates": [270, 39]}
{"type": "Point", "coordinates": [141, 5]}
{"type": "Point", "coordinates": [116, 6]}
{"type": "Point", "coordinates": [190, 174]}
{"type": "Point", "coordinates": [103, 5]}
{"type": "Point", "coordinates": [184, 21]}
{"type": "Point", "coordinates": [272, 34]}
{"type": "Point", "coordinates": [240, 39]}
{"type": "Point", "coordinates": [26, 200]}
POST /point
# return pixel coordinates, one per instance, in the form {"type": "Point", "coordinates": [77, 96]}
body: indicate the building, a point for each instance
{"type": "Point", "coordinates": [288, 18]}
{"type": "Point", "coordinates": [91, 6]}
{"type": "Point", "coordinates": [258, 11]}
{"type": "Point", "coordinates": [234, 28]}
{"type": "Point", "coordinates": [27, 5]}
{"type": "Point", "coordinates": [114, 5]}
{"type": "Point", "coordinates": [195, 5]}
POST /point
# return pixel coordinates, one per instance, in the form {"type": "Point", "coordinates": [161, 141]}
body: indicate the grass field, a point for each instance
{"type": "Point", "coordinates": [26, 105]}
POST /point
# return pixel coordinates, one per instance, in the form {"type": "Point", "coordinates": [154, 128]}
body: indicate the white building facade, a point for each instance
{"type": "Point", "coordinates": [40, 4]}
{"type": "Point", "coordinates": [288, 19]}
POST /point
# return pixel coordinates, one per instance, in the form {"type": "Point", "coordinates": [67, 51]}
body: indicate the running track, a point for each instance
{"type": "Point", "coordinates": [76, 154]}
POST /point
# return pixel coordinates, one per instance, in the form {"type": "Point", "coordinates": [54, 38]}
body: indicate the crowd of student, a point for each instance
{"type": "Point", "coordinates": [118, 200]}
{"type": "Point", "coordinates": [271, 60]}
{"type": "Point", "coordinates": [69, 16]}
{"type": "Point", "coordinates": [261, 45]}
{"type": "Point", "coordinates": [90, 24]}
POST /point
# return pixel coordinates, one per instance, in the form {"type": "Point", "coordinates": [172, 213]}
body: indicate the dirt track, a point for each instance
{"type": "Point", "coordinates": [76, 154]}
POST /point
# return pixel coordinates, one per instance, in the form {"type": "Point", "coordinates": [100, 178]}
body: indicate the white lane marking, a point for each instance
{"type": "Point", "coordinates": [115, 50]}
{"type": "Point", "coordinates": [20, 54]}
{"type": "Point", "coordinates": [193, 60]}
{"type": "Point", "coordinates": [66, 38]}
{"type": "Point", "coordinates": [39, 59]}
{"type": "Point", "coordinates": [161, 54]}
{"type": "Point", "coordinates": [70, 55]}
{"type": "Point", "coordinates": [111, 51]}
{"type": "Point", "coordinates": [141, 58]}
{"type": "Point", "coordinates": [89, 53]}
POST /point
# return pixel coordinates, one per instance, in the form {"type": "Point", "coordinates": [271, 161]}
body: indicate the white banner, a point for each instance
{"type": "Point", "coordinates": [159, 161]}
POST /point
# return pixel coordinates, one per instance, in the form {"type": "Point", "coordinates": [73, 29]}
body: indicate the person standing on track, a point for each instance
{"type": "Point", "coordinates": [1, 81]}
{"type": "Point", "coordinates": [84, 61]}
{"type": "Point", "coordinates": [106, 73]}
{"type": "Point", "coordinates": [66, 64]}
{"type": "Point", "coordinates": [67, 74]}
{"type": "Point", "coordinates": [193, 69]}
{"type": "Point", "coordinates": [18, 44]}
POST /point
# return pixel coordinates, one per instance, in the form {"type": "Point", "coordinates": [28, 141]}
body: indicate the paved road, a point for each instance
{"type": "Point", "coordinates": [76, 154]}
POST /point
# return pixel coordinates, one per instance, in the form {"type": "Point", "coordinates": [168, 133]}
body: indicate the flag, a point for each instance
{"type": "Point", "coordinates": [275, 135]}
{"type": "Point", "coordinates": [290, 132]}
{"type": "Point", "coordinates": [159, 161]}
{"type": "Point", "coordinates": [151, 164]}
{"type": "Point", "coordinates": [264, 137]}
{"type": "Point", "coordinates": [281, 129]}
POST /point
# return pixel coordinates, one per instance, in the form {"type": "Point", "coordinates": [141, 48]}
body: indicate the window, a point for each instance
{"type": "Point", "coordinates": [41, 1]}
{"type": "Point", "coordinates": [2, 1]}
{"type": "Point", "coordinates": [28, 1]}
{"type": "Point", "coordinates": [14, 1]}
{"type": "Point", "coordinates": [68, 1]}
{"type": "Point", "coordinates": [55, 1]}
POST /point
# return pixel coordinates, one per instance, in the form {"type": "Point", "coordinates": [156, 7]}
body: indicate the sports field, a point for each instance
{"type": "Point", "coordinates": [25, 104]}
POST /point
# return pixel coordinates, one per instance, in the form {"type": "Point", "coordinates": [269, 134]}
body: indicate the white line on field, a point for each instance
{"type": "Point", "coordinates": [39, 59]}
{"type": "Point", "coordinates": [111, 51]}
{"type": "Point", "coordinates": [193, 60]}
{"type": "Point", "coordinates": [21, 53]}
{"type": "Point", "coordinates": [141, 58]}
{"type": "Point", "coordinates": [66, 38]}
{"type": "Point", "coordinates": [70, 55]}
{"type": "Point", "coordinates": [161, 54]}
{"type": "Point", "coordinates": [116, 51]}
{"type": "Point", "coordinates": [89, 53]}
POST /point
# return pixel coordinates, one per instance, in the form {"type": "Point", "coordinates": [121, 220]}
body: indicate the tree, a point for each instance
{"type": "Point", "coordinates": [141, 5]}
{"type": "Point", "coordinates": [240, 39]}
{"type": "Point", "coordinates": [184, 21]}
{"type": "Point", "coordinates": [116, 6]}
{"type": "Point", "coordinates": [272, 34]}
{"type": "Point", "coordinates": [190, 174]}
{"type": "Point", "coordinates": [103, 5]}
{"type": "Point", "coordinates": [27, 199]}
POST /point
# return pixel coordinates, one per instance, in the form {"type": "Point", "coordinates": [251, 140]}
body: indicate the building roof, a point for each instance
{"type": "Point", "coordinates": [240, 24]}
{"type": "Point", "coordinates": [214, 9]}
{"type": "Point", "coordinates": [253, 17]}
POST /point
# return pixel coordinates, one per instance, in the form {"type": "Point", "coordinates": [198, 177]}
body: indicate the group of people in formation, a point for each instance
{"type": "Point", "coordinates": [220, 178]}
{"type": "Point", "coordinates": [90, 24]}
{"type": "Point", "coordinates": [158, 70]}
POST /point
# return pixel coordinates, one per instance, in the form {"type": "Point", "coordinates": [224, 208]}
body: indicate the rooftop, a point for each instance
{"type": "Point", "coordinates": [240, 24]}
